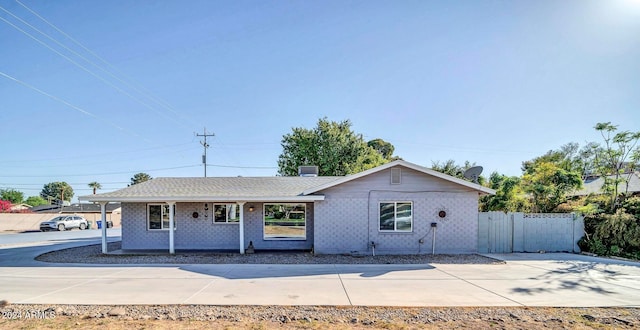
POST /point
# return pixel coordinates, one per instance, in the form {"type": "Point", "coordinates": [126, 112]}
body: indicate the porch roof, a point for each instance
{"type": "Point", "coordinates": [222, 189]}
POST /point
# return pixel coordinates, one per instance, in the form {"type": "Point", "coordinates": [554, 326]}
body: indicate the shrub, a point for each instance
{"type": "Point", "coordinates": [592, 245]}
{"type": "Point", "coordinates": [619, 232]}
{"type": "Point", "coordinates": [632, 205]}
{"type": "Point", "coordinates": [5, 206]}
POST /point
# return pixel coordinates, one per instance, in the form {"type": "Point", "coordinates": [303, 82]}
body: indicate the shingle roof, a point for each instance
{"type": "Point", "coordinates": [595, 186]}
{"type": "Point", "coordinates": [216, 189]}
{"type": "Point", "coordinates": [265, 189]}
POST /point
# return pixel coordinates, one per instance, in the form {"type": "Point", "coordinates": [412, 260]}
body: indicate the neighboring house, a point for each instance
{"type": "Point", "coordinates": [593, 185]}
{"type": "Point", "coordinates": [394, 208]}
{"type": "Point", "coordinates": [19, 207]}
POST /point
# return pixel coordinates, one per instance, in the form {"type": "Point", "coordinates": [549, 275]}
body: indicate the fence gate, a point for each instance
{"type": "Point", "coordinates": [500, 232]}
{"type": "Point", "coordinates": [495, 232]}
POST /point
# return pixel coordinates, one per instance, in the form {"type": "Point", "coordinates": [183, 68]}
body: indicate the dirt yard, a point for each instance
{"type": "Point", "coordinates": [312, 317]}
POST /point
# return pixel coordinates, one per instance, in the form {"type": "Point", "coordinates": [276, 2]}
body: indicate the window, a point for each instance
{"type": "Point", "coordinates": [285, 221]}
{"type": "Point", "coordinates": [158, 217]}
{"type": "Point", "coordinates": [396, 216]}
{"type": "Point", "coordinates": [226, 213]}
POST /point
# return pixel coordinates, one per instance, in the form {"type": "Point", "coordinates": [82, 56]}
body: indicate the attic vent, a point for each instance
{"type": "Point", "coordinates": [396, 176]}
{"type": "Point", "coordinates": [308, 170]}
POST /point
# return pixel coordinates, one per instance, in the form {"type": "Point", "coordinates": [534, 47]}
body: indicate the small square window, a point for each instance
{"type": "Point", "coordinates": [396, 216]}
{"type": "Point", "coordinates": [226, 213]}
{"type": "Point", "coordinates": [158, 217]}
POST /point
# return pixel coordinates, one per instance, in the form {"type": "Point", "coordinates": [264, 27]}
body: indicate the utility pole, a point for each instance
{"type": "Point", "coordinates": [205, 145]}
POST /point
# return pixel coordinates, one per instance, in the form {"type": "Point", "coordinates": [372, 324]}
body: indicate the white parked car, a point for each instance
{"type": "Point", "coordinates": [65, 222]}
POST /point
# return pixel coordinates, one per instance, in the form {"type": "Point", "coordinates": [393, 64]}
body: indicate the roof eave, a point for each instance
{"type": "Point", "coordinates": [130, 199]}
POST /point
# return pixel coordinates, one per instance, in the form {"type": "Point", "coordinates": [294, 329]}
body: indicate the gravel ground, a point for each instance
{"type": "Point", "coordinates": [93, 254]}
{"type": "Point", "coordinates": [318, 317]}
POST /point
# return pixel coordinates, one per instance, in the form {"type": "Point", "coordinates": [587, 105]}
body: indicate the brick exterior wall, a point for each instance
{"type": "Point", "coordinates": [347, 221]}
{"type": "Point", "coordinates": [201, 232]}
{"type": "Point", "coordinates": [342, 225]}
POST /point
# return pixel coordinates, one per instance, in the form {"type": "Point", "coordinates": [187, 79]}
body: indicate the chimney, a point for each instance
{"type": "Point", "coordinates": [308, 170]}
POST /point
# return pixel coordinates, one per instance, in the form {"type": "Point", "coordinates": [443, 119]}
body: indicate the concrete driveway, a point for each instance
{"type": "Point", "coordinates": [525, 280]}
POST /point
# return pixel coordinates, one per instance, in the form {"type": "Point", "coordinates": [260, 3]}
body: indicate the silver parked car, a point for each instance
{"type": "Point", "coordinates": [65, 222]}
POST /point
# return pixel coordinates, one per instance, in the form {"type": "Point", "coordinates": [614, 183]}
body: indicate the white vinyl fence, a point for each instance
{"type": "Point", "coordinates": [500, 232]}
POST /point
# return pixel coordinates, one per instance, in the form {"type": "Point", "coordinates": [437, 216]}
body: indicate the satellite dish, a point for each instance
{"type": "Point", "coordinates": [472, 173]}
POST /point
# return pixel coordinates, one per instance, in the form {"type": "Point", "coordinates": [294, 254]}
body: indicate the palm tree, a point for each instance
{"type": "Point", "coordinates": [95, 185]}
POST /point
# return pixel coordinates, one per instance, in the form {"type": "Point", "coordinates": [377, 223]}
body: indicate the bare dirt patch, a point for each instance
{"type": "Point", "coordinates": [312, 317]}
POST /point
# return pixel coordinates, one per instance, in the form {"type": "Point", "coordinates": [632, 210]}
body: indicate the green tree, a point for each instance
{"type": "Point", "coordinates": [450, 167]}
{"type": "Point", "coordinates": [12, 195]}
{"type": "Point", "coordinates": [509, 195]}
{"type": "Point", "coordinates": [95, 186]}
{"type": "Point", "coordinates": [385, 148]}
{"type": "Point", "coordinates": [548, 185]}
{"type": "Point", "coordinates": [59, 191]}
{"type": "Point", "coordinates": [332, 146]}
{"type": "Point", "coordinates": [139, 178]}
{"type": "Point", "coordinates": [35, 201]}
{"type": "Point", "coordinates": [617, 160]}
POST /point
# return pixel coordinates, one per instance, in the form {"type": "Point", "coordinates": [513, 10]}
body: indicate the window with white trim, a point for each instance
{"type": "Point", "coordinates": [285, 222]}
{"type": "Point", "coordinates": [226, 213]}
{"type": "Point", "coordinates": [158, 217]}
{"type": "Point", "coordinates": [396, 217]}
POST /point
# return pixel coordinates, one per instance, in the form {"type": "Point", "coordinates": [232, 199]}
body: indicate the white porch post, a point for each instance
{"type": "Point", "coordinates": [172, 206]}
{"type": "Point", "coordinates": [103, 222]}
{"type": "Point", "coordinates": [241, 224]}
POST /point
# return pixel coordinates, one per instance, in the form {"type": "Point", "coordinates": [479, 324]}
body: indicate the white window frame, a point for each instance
{"type": "Point", "coordinates": [226, 213]}
{"type": "Point", "coordinates": [290, 238]}
{"type": "Point", "coordinates": [395, 217]}
{"type": "Point", "coordinates": [162, 213]}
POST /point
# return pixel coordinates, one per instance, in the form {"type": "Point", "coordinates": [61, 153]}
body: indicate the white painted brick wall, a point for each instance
{"type": "Point", "coordinates": [343, 227]}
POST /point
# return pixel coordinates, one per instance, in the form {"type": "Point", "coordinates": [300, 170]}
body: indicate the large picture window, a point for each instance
{"type": "Point", "coordinates": [158, 217]}
{"type": "Point", "coordinates": [396, 216]}
{"type": "Point", "coordinates": [226, 213]}
{"type": "Point", "coordinates": [285, 221]}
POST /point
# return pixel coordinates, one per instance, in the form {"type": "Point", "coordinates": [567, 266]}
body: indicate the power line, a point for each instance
{"type": "Point", "coordinates": [144, 93]}
{"type": "Point", "coordinates": [68, 104]}
{"type": "Point", "coordinates": [70, 183]}
{"type": "Point", "coordinates": [101, 162]}
{"type": "Point", "coordinates": [109, 173]}
{"type": "Point", "coordinates": [108, 83]}
{"type": "Point", "coordinates": [246, 167]}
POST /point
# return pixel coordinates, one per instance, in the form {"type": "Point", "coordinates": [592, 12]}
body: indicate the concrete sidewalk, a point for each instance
{"type": "Point", "coordinates": [525, 280]}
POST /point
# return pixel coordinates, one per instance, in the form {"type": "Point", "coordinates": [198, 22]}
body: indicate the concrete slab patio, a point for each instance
{"type": "Point", "coordinates": [525, 280]}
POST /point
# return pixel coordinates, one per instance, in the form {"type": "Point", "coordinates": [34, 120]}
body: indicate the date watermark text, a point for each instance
{"type": "Point", "coordinates": [28, 314]}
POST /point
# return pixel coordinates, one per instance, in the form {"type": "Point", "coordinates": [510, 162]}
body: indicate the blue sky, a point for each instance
{"type": "Point", "coordinates": [492, 82]}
